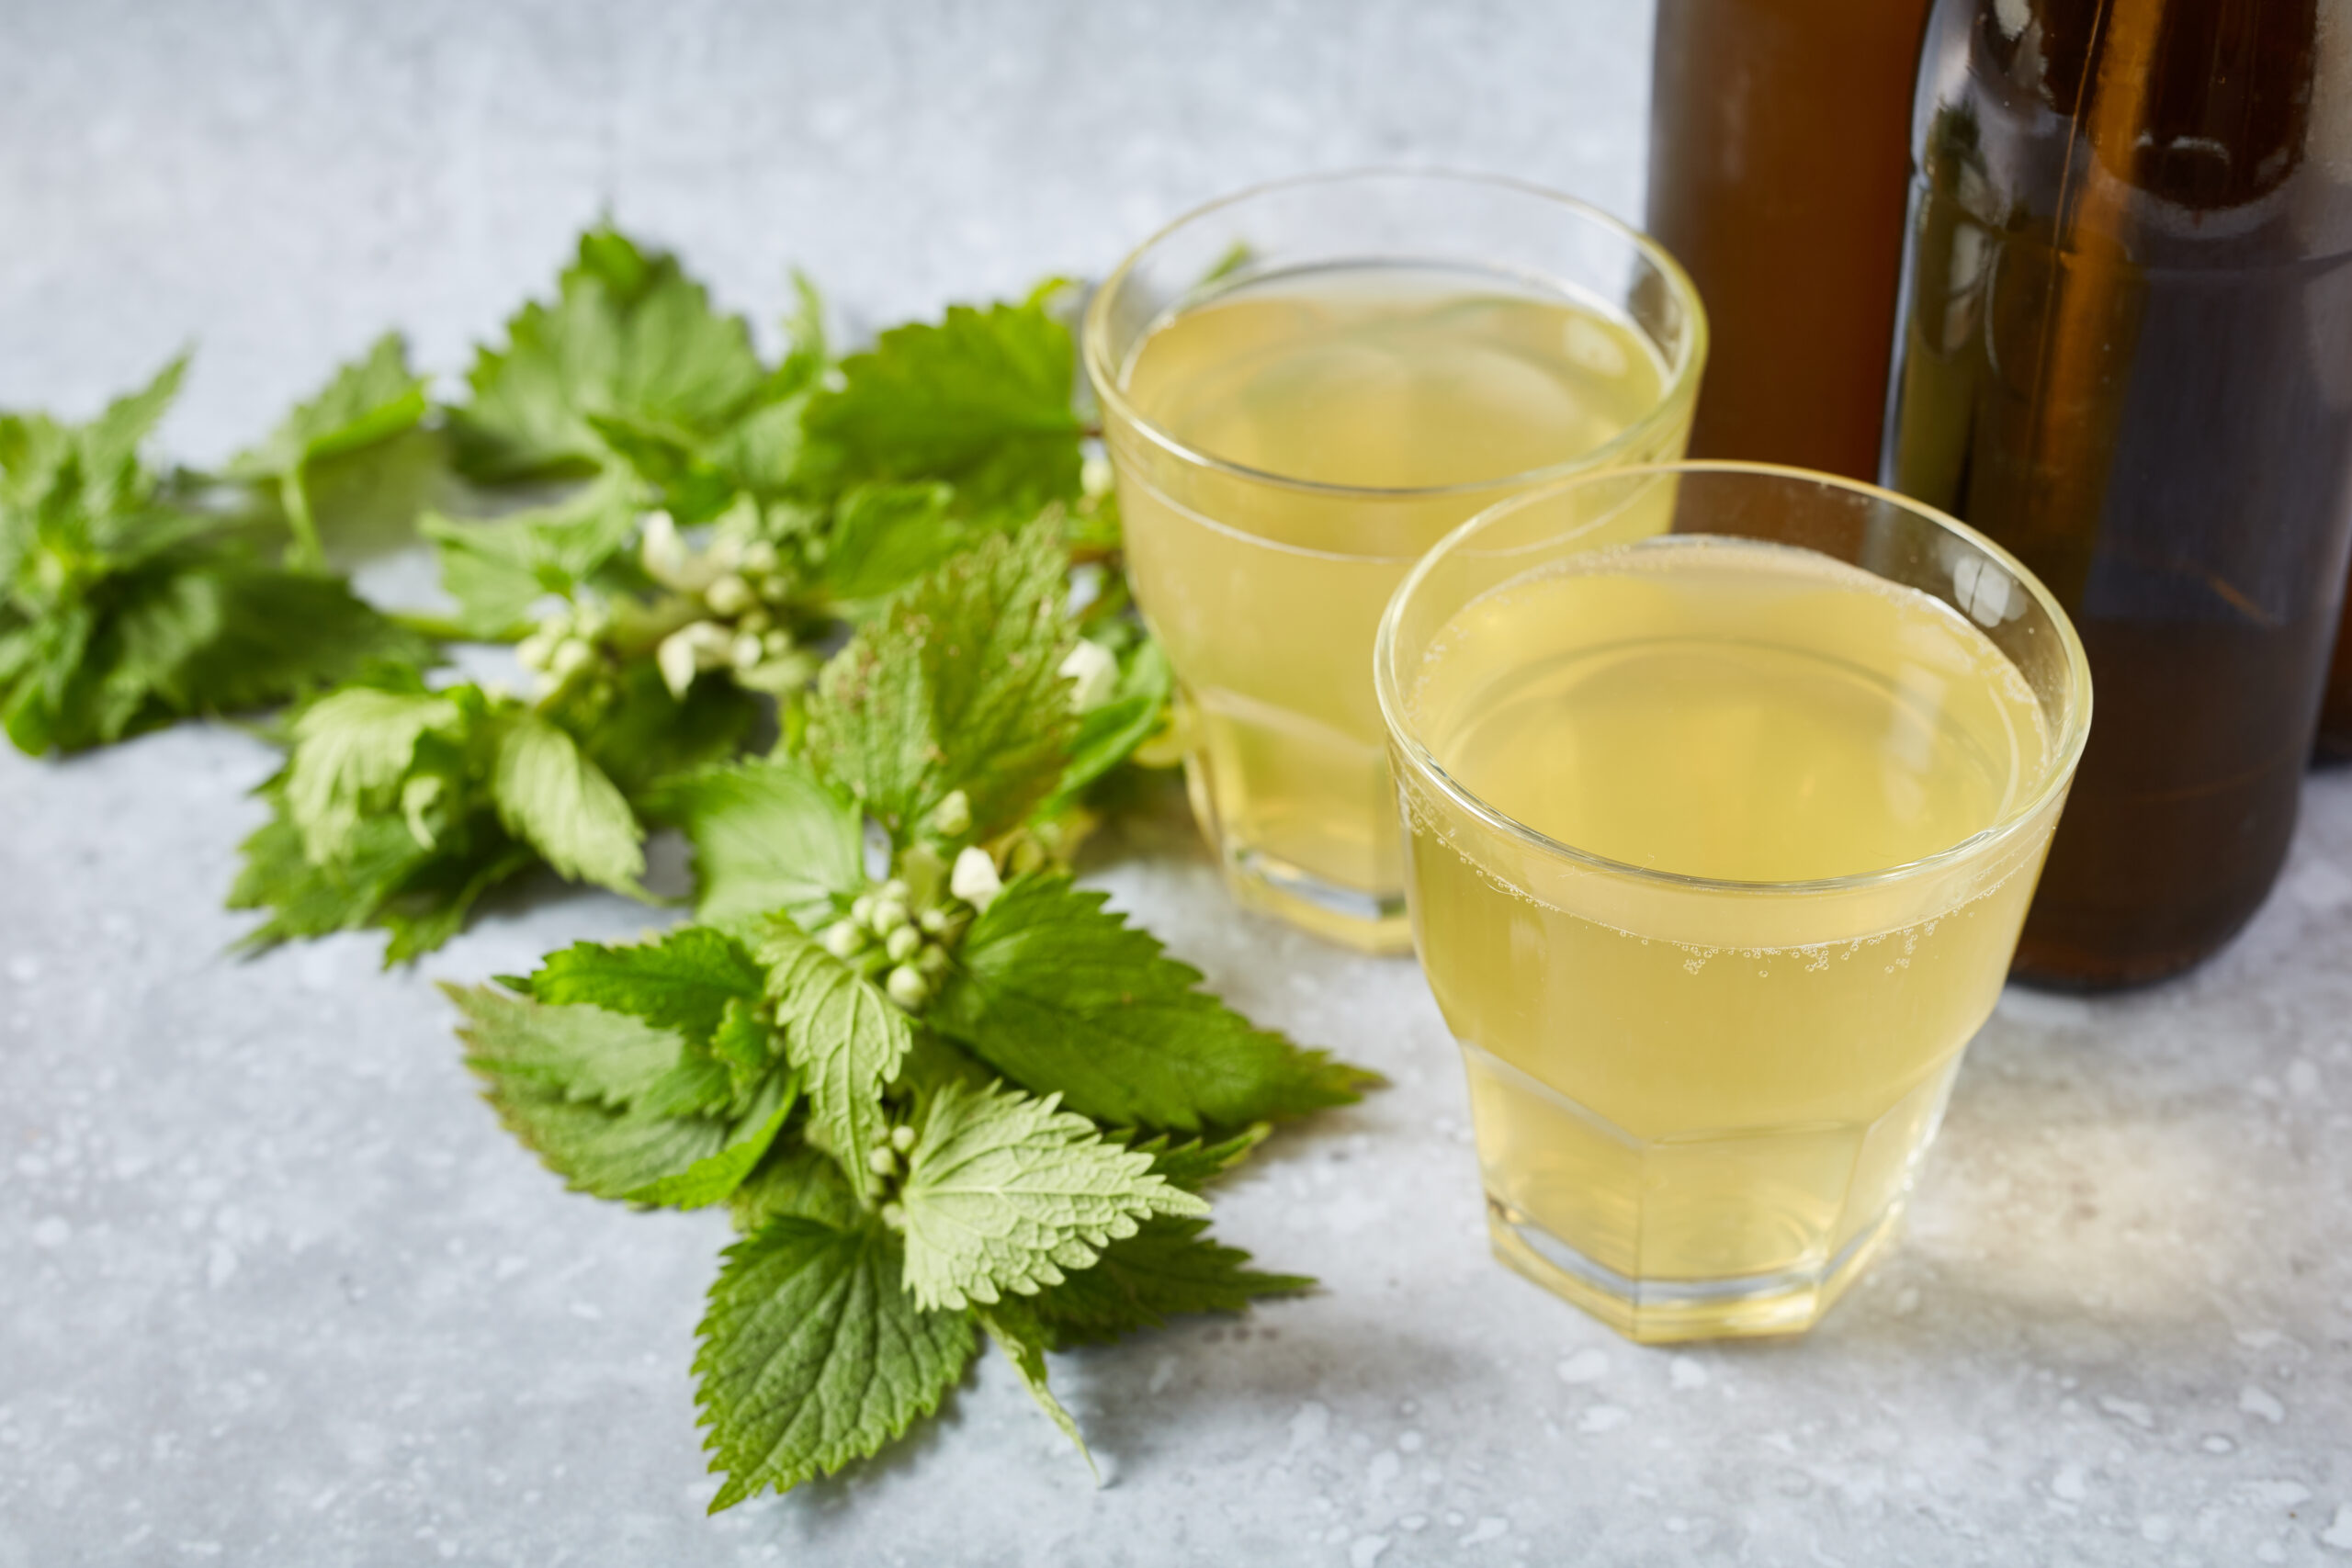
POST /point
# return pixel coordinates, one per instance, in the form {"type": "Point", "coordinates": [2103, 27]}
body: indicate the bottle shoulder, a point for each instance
{"type": "Point", "coordinates": [2188, 135]}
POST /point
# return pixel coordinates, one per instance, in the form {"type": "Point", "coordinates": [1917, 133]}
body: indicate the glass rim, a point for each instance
{"type": "Point", "coordinates": [2067, 750]}
{"type": "Point", "coordinates": [1682, 377]}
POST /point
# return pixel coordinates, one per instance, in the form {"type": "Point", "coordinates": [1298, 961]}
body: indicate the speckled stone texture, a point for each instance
{"type": "Point", "coordinates": [273, 1287]}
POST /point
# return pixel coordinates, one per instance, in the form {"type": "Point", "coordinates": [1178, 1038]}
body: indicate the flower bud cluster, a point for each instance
{"type": "Point", "coordinates": [908, 947]}
{"type": "Point", "coordinates": [741, 587]}
{"type": "Point", "coordinates": [566, 646]}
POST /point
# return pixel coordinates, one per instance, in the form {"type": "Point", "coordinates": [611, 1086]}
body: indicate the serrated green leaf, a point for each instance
{"type": "Point", "coordinates": [1004, 1194]}
{"type": "Point", "coordinates": [274, 634]}
{"type": "Point", "coordinates": [350, 748]}
{"type": "Point", "coordinates": [795, 1178]}
{"type": "Point", "coordinates": [847, 1038]}
{"type": "Point", "coordinates": [1058, 993]}
{"type": "Point", "coordinates": [563, 805]}
{"type": "Point", "coordinates": [642, 735]}
{"type": "Point", "coordinates": [498, 569]}
{"type": "Point", "coordinates": [629, 337]}
{"type": "Point", "coordinates": [958, 686]}
{"type": "Point", "coordinates": [1023, 1338]}
{"type": "Point", "coordinates": [1169, 1267]}
{"type": "Point", "coordinates": [630, 1154]}
{"type": "Point", "coordinates": [980, 401]}
{"type": "Point", "coordinates": [578, 1053]}
{"type": "Point", "coordinates": [883, 536]}
{"type": "Point", "coordinates": [1110, 733]}
{"type": "Point", "coordinates": [681, 981]}
{"type": "Point", "coordinates": [367, 401]}
{"type": "Point", "coordinates": [812, 1355]}
{"type": "Point", "coordinates": [766, 835]}
{"type": "Point", "coordinates": [1194, 1163]}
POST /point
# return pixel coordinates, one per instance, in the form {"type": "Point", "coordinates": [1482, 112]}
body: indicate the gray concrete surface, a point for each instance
{"type": "Point", "coordinates": [275, 1288]}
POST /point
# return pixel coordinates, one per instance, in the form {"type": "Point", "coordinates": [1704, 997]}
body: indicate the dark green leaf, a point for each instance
{"type": "Point", "coordinates": [1061, 995]}
{"type": "Point", "coordinates": [681, 981]}
{"type": "Point", "coordinates": [813, 1355]}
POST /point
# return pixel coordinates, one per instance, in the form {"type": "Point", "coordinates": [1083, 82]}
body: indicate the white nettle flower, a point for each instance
{"type": "Point", "coordinates": [690, 648]}
{"type": "Point", "coordinates": [975, 880]}
{"type": "Point", "coordinates": [675, 564]}
{"type": "Point", "coordinates": [730, 595]}
{"type": "Point", "coordinates": [1093, 672]}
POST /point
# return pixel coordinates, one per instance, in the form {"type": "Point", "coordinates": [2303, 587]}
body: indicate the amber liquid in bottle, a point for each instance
{"type": "Point", "coordinates": [2125, 352]}
{"type": "Point", "coordinates": [1778, 164]}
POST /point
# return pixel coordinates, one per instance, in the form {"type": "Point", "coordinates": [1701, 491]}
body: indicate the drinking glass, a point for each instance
{"type": "Point", "coordinates": [1266, 587]}
{"type": "Point", "coordinates": [1701, 1099]}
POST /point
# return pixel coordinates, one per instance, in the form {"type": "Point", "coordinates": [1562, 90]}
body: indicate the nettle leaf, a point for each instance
{"type": "Point", "coordinates": [1004, 1194]}
{"type": "Point", "coordinates": [367, 401]}
{"type": "Point", "coordinates": [885, 537]}
{"type": "Point", "coordinates": [498, 570]}
{"type": "Point", "coordinates": [813, 1355]}
{"type": "Point", "coordinates": [1109, 735]}
{"type": "Point", "coordinates": [981, 401]}
{"type": "Point", "coordinates": [268, 634]}
{"type": "Point", "coordinates": [626, 1153]}
{"type": "Point", "coordinates": [631, 338]}
{"type": "Point", "coordinates": [562, 804]}
{"type": "Point", "coordinates": [1169, 1267]}
{"type": "Point", "coordinates": [1024, 1340]}
{"type": "Point", "coordinates": [642, 733]}
{"type": "Point", "coordinates": [795, 1178]}
{"type": "Point", "coordinates": [766, 835]}
{"type": "Point", "coordinates": [958, 686]}
{"type": "Point", "coordinates": [847, 1038]}
{"type": "Point", "coordinates": [579, 1053]}
{"type": "Point", "coordinates": [1058, 993]}
{"type": "Point", "coordinates": [350, 748]}
{"type": "Point", "coordinates": [683, 981]}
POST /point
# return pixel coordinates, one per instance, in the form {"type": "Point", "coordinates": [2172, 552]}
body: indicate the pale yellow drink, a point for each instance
{"type": "Point", "coordinates": [1707, 1047]}
{"type": "Point", "coordinates": [1379, 406]}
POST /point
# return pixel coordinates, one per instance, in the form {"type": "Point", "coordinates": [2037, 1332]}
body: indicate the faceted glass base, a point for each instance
{"type": "Point", "coordinates": [1660, 1311]}
{"type": "Point", "coordinates": [1364, 921]}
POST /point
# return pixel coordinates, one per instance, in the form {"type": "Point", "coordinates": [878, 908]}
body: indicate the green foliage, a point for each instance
{"type": "Point", "coordinates": [631, 363]}
{"type": "Point", "coordinates": [1061, 994]}
{"type": "Point", "coordinates": [814, 1355]}
{"type": "Point", "coordinates": [847, 1038]}
{"type": "Point", "coordinates": [981, 401]}
{"type": "Point", "coordinates": [1004, 1193]}
{"type": "Point", "coordinates": [957, 687]}
{"type": "Point", "coordinates": [498, 569]}
{"type": "Point", "coordinates": [126, 603]}
{"type": "Point", "coordinates": [767, 835]}
{"type": "Point", "coordinates": [367, 403]}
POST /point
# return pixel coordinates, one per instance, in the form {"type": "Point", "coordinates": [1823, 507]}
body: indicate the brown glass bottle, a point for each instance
{"type": "Point", "coordinates": [1778, 164]}
{"type": "Point", "coordinates": [2334, 743]}
{"type": "Point", "coordinates": [2125, 352]}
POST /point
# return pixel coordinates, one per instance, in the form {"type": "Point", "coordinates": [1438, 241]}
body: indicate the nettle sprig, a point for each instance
{"type": "Point", "coordinates": [130, 598]}
{"type": "Point", "coordinates": [717, 521]}
{"type": "Point", "coordinates": [944, 1097]}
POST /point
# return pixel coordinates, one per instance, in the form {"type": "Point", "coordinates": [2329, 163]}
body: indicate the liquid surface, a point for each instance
{"type": "Point", "coordinates": [1267, 597]}
{"type": "Point", "coordinates": [1699, 1108]}
{"type": "Point", "coordinates": [1393, 378]}
{"type": "Point", "coordinates": [1732, 710]}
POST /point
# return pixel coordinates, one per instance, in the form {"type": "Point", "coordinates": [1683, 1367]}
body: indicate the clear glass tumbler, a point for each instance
{"type": "Point", "coordinates": [1265, 582]}
{"type": "Point", "coordinates": [1726, 789]}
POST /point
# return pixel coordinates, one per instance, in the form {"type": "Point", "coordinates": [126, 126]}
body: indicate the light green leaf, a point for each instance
{"type": "Point", "coordinates": [368, 400]}
{"type": "Point", "coordinates": [564, 806]}
{"type": "Point", "coordinates": [766, 835]}
{"type": "Point", "coordinates": [958, 686]}
{"type": "Point", "coordinates": [683, 980]}
{"type": "Point", "coordinates": [629, 337]}
{"type": "Point", "coordinates": [883, 536]}
{"type": "Point", "coordinates": [795, 1177]}
{"type": "Point", "coordinates": [350, 748]}
{"type": "Point", "coordinates": [1003, 1193]}
{"type": "Point", "coordinates": [847, 1038]}
{"type": "Point", "coordinates": [577, 1052]}
{"type": "Point", "coordinates": [1057, 992]}
{"type": "Point", "coordinates": [498, 570]}
{"type": "Point", "coordinates": [812, 1355]}
{"type": "Point", "coordinates": [981, 401]}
